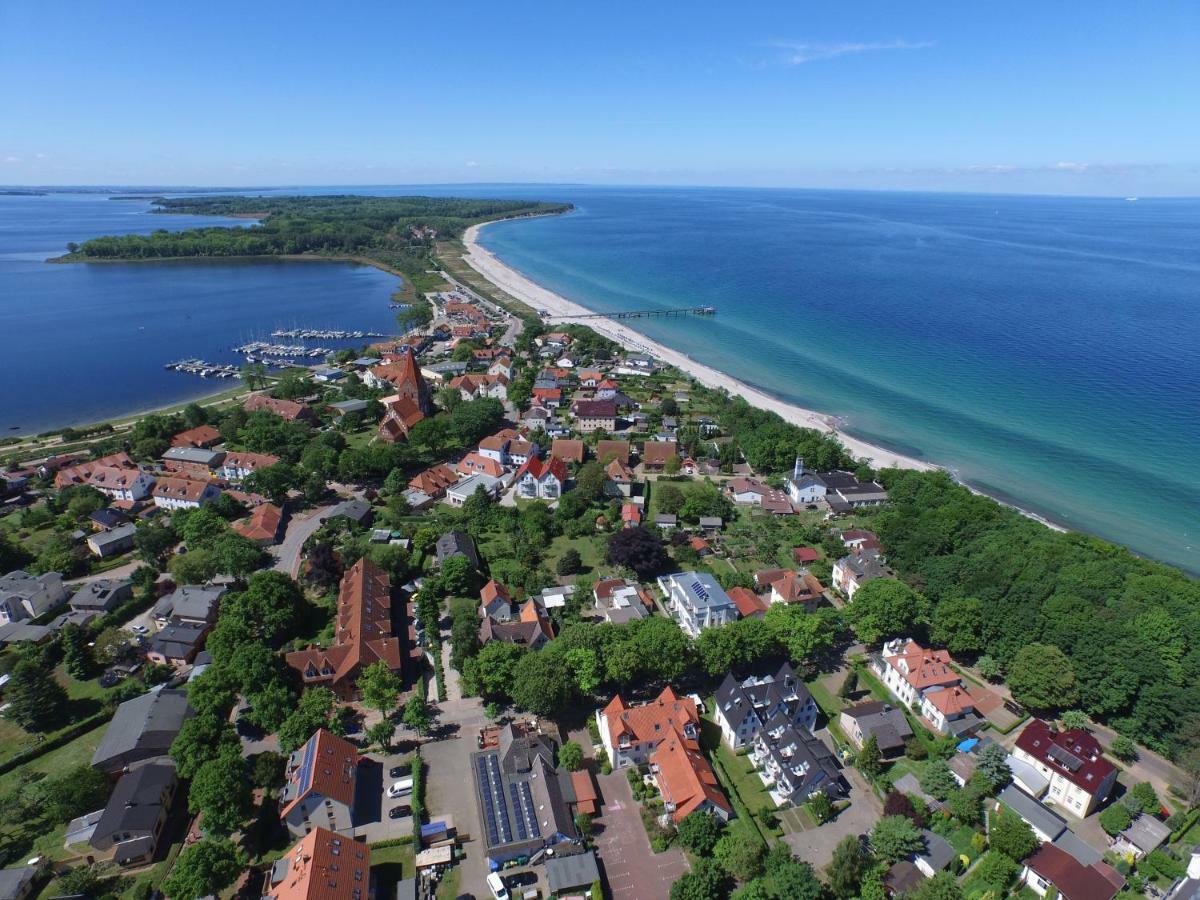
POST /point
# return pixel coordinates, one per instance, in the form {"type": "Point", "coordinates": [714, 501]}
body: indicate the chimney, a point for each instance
{"type": "Point", "coordinates": [799, 469]}
{"type": "Point", "coordinates": [1193, 869]}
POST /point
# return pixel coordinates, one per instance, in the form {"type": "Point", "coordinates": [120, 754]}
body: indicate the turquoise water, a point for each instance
{"type": "Point", "coordinates": [1045, 349]}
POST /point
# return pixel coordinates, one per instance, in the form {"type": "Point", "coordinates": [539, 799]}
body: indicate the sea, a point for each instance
{"type": "Point", "coordinates": [1045, 350]}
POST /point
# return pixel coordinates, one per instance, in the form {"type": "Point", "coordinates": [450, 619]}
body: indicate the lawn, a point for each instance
{"type": "Point", "coordinates": [745, 781]}
{"type": "Point", "coordinates": [77, 753]}
{"type": "Point", "coordinates": [390, 865]}
{"type": "Point", "coordinates": [590, 549]}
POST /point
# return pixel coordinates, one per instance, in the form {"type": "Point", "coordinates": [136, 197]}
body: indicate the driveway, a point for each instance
{"type": "Point", "coordinates": [815, 846]}
{"type": "Point", "coordinates": [300, 528]}
{"type": "Point", "coordinates": [450, 788]}
{"type": "Point", "coordinates": [372, 805]}
{"type": "Point", "coordinates": [633, 871]}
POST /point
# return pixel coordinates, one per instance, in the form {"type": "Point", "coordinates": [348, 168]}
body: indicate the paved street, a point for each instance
{"type": "Point", "coordinates": [300, 528]}
{"type": "Point", "coordinates": [632, 869]}
{"type": "Point", "coordinates": [816, 845]}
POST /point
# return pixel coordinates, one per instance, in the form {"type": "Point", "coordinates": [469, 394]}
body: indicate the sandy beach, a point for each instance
{"type": "Point", "coordinates": [538, 297]}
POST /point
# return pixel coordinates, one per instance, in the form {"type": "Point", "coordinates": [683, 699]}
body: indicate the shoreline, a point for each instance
{"type": "Point", "coordinates": [520, 287]}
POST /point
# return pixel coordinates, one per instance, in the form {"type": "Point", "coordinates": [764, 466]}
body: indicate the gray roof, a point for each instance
{"type": "Point", "coordinates": [865, 565]}
{"type": "Point", "coordinates": [178, 639]}
{"type": "Point", "coordinates": [665, 519]}
{"type": "Point", "coordinates": [102, 594]}
{"type": "Point", "coordinates": [566, 872]}
{"type": "Point", "coordinates": [144, 726]}
{"type": "Point", "coordinates": [191, 601]}
{"type": "Point", "coordinates": [348, 406]}
{"type": "Point", "coordinates": [15, 882]}
{"type": "Point", "coordinates": [354, 510]}
{"type": "Point", "coordinates": [456, 543]}
{"type": "Point", "coordinates": [1085, 854]}
{"type": "Point", "coordinates": [18, 632]}
{"type": "Point", "coordinates": [738, 699]}
{"type": "Point", "coordinates": [711, 522]}
{"type": "Point", "coordinates": [195, 455]}
{"type": "Point", "coordinates": [135, 804]}
{"type": "Point", "coordinates": [1037, 815]}
{"type": "Point", "coordinates": [1146, 833]}
{"type": "Point", "coordinates": [887, 724]}
{"type": "Point", "coordinates": [802, 758]}
{"type": "Point", "coordinates": [1028, 775]}
{"type": "Point", "coordinates": [938, 853]}
{"type": "Point", "coordinates": [118, 535]}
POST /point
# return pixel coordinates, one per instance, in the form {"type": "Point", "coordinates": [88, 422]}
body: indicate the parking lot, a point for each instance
{"type": "Point", "coordinates": [372, 805]}
{"type": "Point", "coordinates": [632, 869]}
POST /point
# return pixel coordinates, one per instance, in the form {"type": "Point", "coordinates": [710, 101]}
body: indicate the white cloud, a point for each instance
{"type": "Point", "coordinates": [1071, 167]}
{"type": "Point", "coordinates": [799, 53]}
{"type": "Point", "coordinates": [12, 159]}
{"type": "Point", "coordinates": [471, 164]}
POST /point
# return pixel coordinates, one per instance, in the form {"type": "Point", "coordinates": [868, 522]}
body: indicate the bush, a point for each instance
{"type": "Point", "coordinates": [914, 748]}
{"type": "Point", "coordinates": [1115, 819]}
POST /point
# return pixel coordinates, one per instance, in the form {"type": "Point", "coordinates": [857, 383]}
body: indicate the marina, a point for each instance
{"type": "Point", "coordinates": [263, 348]}
{"type": "Point", "coordinates": [327, 334]}
{"type": "Point", "coordinates": [204, 369]}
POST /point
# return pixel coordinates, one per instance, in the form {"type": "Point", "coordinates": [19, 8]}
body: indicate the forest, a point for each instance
{"type": "Point", "coordinates": [380, 227]}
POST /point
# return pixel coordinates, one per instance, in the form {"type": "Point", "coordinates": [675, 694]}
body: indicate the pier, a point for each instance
{"type": "Point", "coordinates": [640, 313]}
{"type": "Point", "coordinates": [329, 334]}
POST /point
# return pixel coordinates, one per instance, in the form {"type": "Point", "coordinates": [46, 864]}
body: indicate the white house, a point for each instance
{"type": "Point", "coordinates": [1073, 762]}
{"type": "Point", "coordinates": [24, 596]}
{"type": "Point", "coordinates": [742, 708]}
{"type": "Point", "coordinates": [121, 483]}
{"type": "Point", "coordinates": [926, 679]}
{"type": "Point", "coordinates": [458, 493]}
{"type": "Point", "coordinates": [697, 601]}
{"type": "Point", "coordinates": [184, 493]}
{"type": "Point", "coordinates": [804, 487]}
{"type": "Point", "coordinates": [541, 480]}
{"type": "Point", "coordinates": [853, 571]}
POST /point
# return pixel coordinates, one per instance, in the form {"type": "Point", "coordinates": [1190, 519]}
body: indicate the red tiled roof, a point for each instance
{"type": "Point", "coordinates": [324, 866]}
{"type": "Point", "coordinates": [951, 701]}
{"type": "Point", "coordinates": [595, 409]}
{"type": "Point", "coordinates": [77, 474]}
{"type": "Point", "coordinates": [434, 480]}
{"type": "Point", "coordinates": [540, 469]}
{"type": "Point", "coordinates": [494, 590]}
{"type": "Point", "coordinates": [1038, 738]}
{"type": "Point", "coordinates": [251, 461]}
{"type": "Point", "coordinates": [476, 462]}
{"type": "Point", "coordinates": [329, 768]}
{"type": "Point", "coordinates": [1074, 880]}
{"type": "Point", "coordinates": [567, 449]}
{"type": "Point", "coordinates": [925, 667]}
{"type": "Point", "coordinates": [805, 554]}
{"type": "Point", "coordinates": [747, 602]}
{"type": "Point", "coordinates": [200, 436]}
{"type": "Point", "coordinates": [685, 778]}
{"type": "Point", "coordinates": [180, 488]}
{"type": "Point", "coordinates": [618, 449]}
{"type": "Point", "coordinates": [653, 721]}
{"type": "Point", "coordinates": [585, 792]}
{"type": "Point", "coordinates": [656, 453]}
{"type": "Point", "coordinates": [798, 587]}
{"type": "Point", "coordinates": [285, 409]}
{"type": "Point", "coordinates": [262, 524]}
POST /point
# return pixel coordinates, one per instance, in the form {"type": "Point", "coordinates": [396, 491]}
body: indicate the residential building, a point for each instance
{"type": "Point", "coordinates": [664, 733]}
{"type": "Point", "coordinates": [80, 472]}
{"type": "Point", "coordinates": [621, 600]}
{"type": "Point", "coordinates": [749, 604]}
{"type": "Point", "coordinates": [1073, 760]}
{"type": "Point", "coordinates": [177, 643]}
{"type": "Point", "coordinates": [357, 511]}
{"type": "Point", "coordinates": [456, 543]}
{"type": "Point", "coordinates": [888, 725]}
{"type": "Point", "coordinates": [804, 488]}
{"type": "Point", "coordinates": [434, 480]}
{"type": "Point", "coordinates": [101, 596]}
{"type": "Point", "coordinates": [113, 542]}
{"type": "Point", "coordinates": [697, 601]}
{"type": "Point", "coordinates": [750, 492]}
{"type": "Point", "coordinates": [531, 628]}
{"type": "Point", "coordinates": [926, 679]}
{"type": "Point", "coordinates": [364, 633]}
{"type": "Point", "coordinates": [1053, 868]}
{"type": "Point", "coordinates": [657, 454]}
{"type": "Point", "coordinates": [107, 519]}
{"type": "Point", "coordinates": [462, 491]}
{"type": "Point", "coordinates": [801, 588]}
{"type": "Point", "coordinates": [613, 449]}
{"type": "Point", "coordinates": [475, 462]}
{"type": "Point", "coordinates": [319, 785]}
{"type": "Point", "coordinates": [197, 460]}
{"type": "Point", "coordinates": [569, 451]}
{"type": "Point", "coordinates": [495, 602]}
{"type": "Point", "coordinates": [1143, 836]}
{"type": "Point", "coordinates": [24, 596]}
{"type": "Point", "coordinates": [237, 465]}
{"type": "Point", "coordinates": [844, 492]}
{"type": "Point", "coordinates": [853, 571]}
{"type": "Point", "coordinates": [184, 493]}
{"type": "Point", "coordinates": [631, 515]}
{"type": "Point", "coordinates": [1047, 825]}
{"type": "Point", "coordinates": [595, 415]}
{"type": "Point", "coordinates": [478, 386]}
{"type": "Point", "coordinates": [536, 417]}
{"type": "Point", "coordinates": [120, 483]}
{"type": "Point", "coordinates": [666, 521]}
{"type": "Point", "coordinates": [18, 883]}
{"type": "Point", "coordinates": [288, 410]}
{"type": "Point", "coordinates": [541, 480]}
{"type": "Point", "coordinates": [141, 729]}
{"type": "Point", "coordinates": [793, 763]}
{"type": "Point", "coordinates": [323, 865]}
{"type": "Point", "coordinates": [263, 526]}
{"type": "Point", "coordinates": [937, 855]}
{"type": "Point", "coordinates": [743, 707]}
{"type": "Point", "coordinates": [619, 480]}
{"type": "Point", "coordinates": [860, 539]}
{"type": "Point", "coordinates": [193, 603]}
{"type": "Point", "coordinates": [129, 829]}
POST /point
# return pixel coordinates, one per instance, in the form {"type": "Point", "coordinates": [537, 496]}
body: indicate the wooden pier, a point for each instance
{"type": "Point", "coordinates": [641, 313]}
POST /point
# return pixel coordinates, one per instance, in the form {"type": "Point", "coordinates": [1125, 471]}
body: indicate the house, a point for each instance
{"type": "Point", "coordinates": [631, 515]}
{"type": "Point", "coordinates": [531, 628]}
{"type": "Point", "coordinates": [460, 492]}
{"type": "Point", "coordinates": [501, 365]}
{"type": "Point", "coordinates": [107, 519]}
{"type": "Point", "coordinates": [536, 418]}
{"type": "Point", "coordinates": [322, 865]}
{"type": "Point", "coordinates": [184, 493]}
{"type": "Point", "coordinates": [619, 479]}
{"type": "Point", "coordinates": [749, 492]}
{"type": "Point", "coordinates": [700, 545]}
{"type": "Point", "coordinates": [526, 801]}
{"type": "Point", "coordinates": [1143, 836]}
{"type": "Point", "coordinates": [404, 377]}
{"type": "Point", "coordinates": [804, 556]}
{"type": "Point", "coordinates": [81, 472]}
{"type": "Point", "coordinates": [177, 644]}
{"type": "Point", "coordinates": [888, 725]}
{"type": "Point", "coordinates": [657, 454]}
{"type": "Point", "coordinates": [860, 539]}
{"type": "Point", "coordinates": [1047, 825]}
{"type": "Point", "coordinates": [196, 460]}
{"type": "Point", "coordinates": [853, 571]}
{"type": "Point", "coordinates": [611, 449]}
{"type": "Point", "coordinates": [141, 729]}
{"type": "Point", "coordinates": [595, 415]}
{"type": "Point", "coordinates": [697, 601]}
{"type": "Point", "coordinates": [341, 407]}
{"type": "Point", "coordinates": [743, 707]}
{"type": "Point", "coordinates": [400, 414]}
{"type": "Point", "coordinates": [793, 763]}
{"type": "Point", "coordinates": [937, 855]}
{"type": "Point", "coordinates": [541, 480]}
{"type": "Point", "coordinates": [573, 874]}
{"type": "Point", "coordinates": [19, 883]}
{"type": "Point", "coordinates": [120, 483]}
{"type": "Point", "coordinates": [665, 732]}
{"type": "Point", "coordinates": [1053, 868]}
{"type": "Point", "coordinates": [318, 790]}
{"type": "Point", "coordinates": [112, 543]}
{"type": "Point", "coordinates": [288, 410]}
{"type": "Point", "coordinates": [24, 596]}
{"type": "Point", "coordinates": [711, 524]}
{"type": "Point", "coordinates": [550, 397]}
{"type": "Point", "coordinates": [238, 465]}
{"type": "Point", "coordinates": [102, 596]}
{"type": "Point", "coordinates": [475, 387]}
{"type": "Point", "coordinates": [569, 451]}
{"type": "Point", "coordinates": [748, 603]}
{"type": "Point", "coordinates": [132, 823]}
{"type": "Point", "coordinates": [357, 511]}
{"type": "Point", "coordinates": [962, 767]}
{"type": "Point", "coordinates": [475, 462]}
{"type": "Point", "coordinates": [798, 588]}
{"type": "Point", "coordinates": [666, 521]}
{"type": "Point", "coordinates": [456, 543]}
{"type": "Point", "coordinates": [803, 487]}
{"type": "Point", "coordinates": [927, 680]}
{"type": "Point", "coordinates": [621, 600]}
{"type": "Point", "coordinates": [434, 480]}
{"type": "Point", "coordinates": [495, 602]}
{"type": "Point", "coordinates": [262, 526]}
{"type": "Point", "coordinates": [192, 603]}
{"type": "Point", "coordinates": [364, 634]}
{"type": "Point", "coordinates": [844, 492]}
{"type": "Point", "coordinates": [327, 374]}
{"type": "Point", "coordinates": [607, 390]}
{"type": "Point", "coordinates": [1073, 760]}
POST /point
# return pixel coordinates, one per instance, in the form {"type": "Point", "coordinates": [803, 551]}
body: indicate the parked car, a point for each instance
{"type": "Point", "coordinates": [400, 788]}
{"type": "Point", "coordinates": [400, 812]}
{"type": "Point", "coordinates": [399, 771]}
{"type": "Point", "coordinates": [521, 879]}
{"type": "Point", "coordinates": [139, 629]}
{"type": "Point", "coordinates": [496, 885]}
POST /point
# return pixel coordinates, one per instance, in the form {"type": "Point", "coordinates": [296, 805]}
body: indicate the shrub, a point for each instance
{"type": "Point", "coordinates": [1115, 819]}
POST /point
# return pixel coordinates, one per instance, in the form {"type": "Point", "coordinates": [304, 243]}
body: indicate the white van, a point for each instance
{"type": "Point", "coordinates": [496, 884]}
{"type": "Point", "coordinates": [400, 788]}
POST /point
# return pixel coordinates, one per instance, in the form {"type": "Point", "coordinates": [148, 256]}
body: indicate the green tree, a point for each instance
{"type": "Point", "coordinates": [221, 791]}
{"type": "Point", "coordinates": [76, 791]}
{"type": "Point", "coordinates": [1041, 677]}
{"type": "Point", "coordinates": [706, 881]}
{"type": "Point", "coordinates": [268, 770]}
{"type": "Point", "coordinates": [849, 684]}
{"type": "Point", "coordinates": [570, 756]}
{"type": "Point", "coordinates": [869, 760]}
{"type": "Point", "coordinates": [668, 497]}
{"type": "Point", "coordinates": [699, 832]}
{"type": "Point", "coordinates": [1074, 718]}
{"type": "Point", "coordinates": [569, 563]}
{"type": "Point", "coordinates": [821, 807]}
{"type": "Point", "coordinates": [315, 710]}
{"type": "Point", "coordinates": [417, 714]}
{"type": "Point", "coordinates": [638, 549]}
{"type": "Point", "coordinates": [990, 668]}
{"type": "Point", "coordinates": [77, 656]}
{"type": "Point", "coordinates": [942, 886]}
{"type": "Point", "coordinates": [204, 869]}
{"type": "Point", "coordinates": [380, 687]}
{"type": "Point", "coordinates": [541, 684]}
{"type": "Point", "coordinates": [36, 702]}
{"type": "Point", "coordinates": [1115, 819]}
{"type": "Point", "coordinates": [740, 851]}
{"type": "Point", "coordinates": [1124, 749]}
{"type": "Point", "coordinates": [1145, 798]}
{"type": "Point", "coordinates": [492, 671]}
{"type": "Point", "coordinates": [590, 480]}
{"type": "Point", "coordinates": [894, 837]}
{"type": "Point", "coordinates": [845, 871]}
{"type": "Point", "coordinates": [85, 881]}
{"type": "Point", "coordinates": [884, 608]}
{"type": "Point", "coordinates": [202, 738]}
{"type": "Point", "coordinates": [381, 734]}
{"type": "Point", "coordinates": [957, 624]}
{"type": "Point", "coordinates": [937, 781]}
{"type": "Point", "coordinates": [1009, 834]}
{"type": "Point", "coordinates": [992, 765]}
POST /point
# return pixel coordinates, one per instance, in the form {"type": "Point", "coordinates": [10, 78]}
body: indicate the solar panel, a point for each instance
{"type": "Point", "coordinates": [1064, 758]}
{"type": "Point", "coordinates": [522, 831]}
{"type": "Point", "coordinates": [534, 830]}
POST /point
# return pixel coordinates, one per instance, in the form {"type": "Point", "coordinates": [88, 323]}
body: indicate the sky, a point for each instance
{"type": "Point", "coordinates": [1021, 97]}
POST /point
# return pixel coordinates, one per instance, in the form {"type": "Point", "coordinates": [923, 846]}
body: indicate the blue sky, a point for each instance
{"type": "Point", "coordinates": [1094, 98]}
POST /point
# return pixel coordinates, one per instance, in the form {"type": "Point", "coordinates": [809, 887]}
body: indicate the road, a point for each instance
{"type": "Point", "coordinates": [121, 571]}
{"type": "Point", "coordinates": [515, 324]}
{"type": "Point", "coordinates": [300, 528]}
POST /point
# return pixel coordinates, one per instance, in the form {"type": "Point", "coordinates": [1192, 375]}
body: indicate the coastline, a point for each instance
{"type": "Point", "coordinates": [522, 288]}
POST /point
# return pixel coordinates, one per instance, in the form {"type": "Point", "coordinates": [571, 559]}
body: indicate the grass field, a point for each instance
{"type": "Point", "coordinates": [390, 865]}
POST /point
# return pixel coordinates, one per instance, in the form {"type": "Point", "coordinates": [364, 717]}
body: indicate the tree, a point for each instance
{"type": "Point", "coordinates": [381, 733]}
{"type": "Point", "coordinates": [668, 497]}
{"type": "Point", "coordinates": [221, 791]}
{"type": "Point", "coordinates": [314, 711]}
{"type": "Point", "coordinates": [846, 869]}
{"type": "Point", "coordinates": [1146, 799]}
{"type": "Point", "coordinates": [638, 549]}
{"type": "Point", "coordinates": [380, 687]}
{"type": "Point", "coordinates": [417, 714]}
{"type": "Point", "coordinates": [869, 760]}
{"type": "Point", "coordinates": [849, 685]}
{"type": "Point", "coordinates": [569, 563]}
{"type": "Point", "coordinates": [1008, 834]}
{"type": "Point", "coordinates": [821, 807]}
{"type": "Point", "coordinates": [989, 668]}
{"type": "Point", "coordinates": [957, 624]}
{"type": "Point", "coordinates": [996, 869]}
{"type": "Point", "coordinates": [938, 781]}
{"type": "Point", "coordinates": [268, 770]}
{"type": "Point", "coordinates": [992, 765]}
{"type": "Point", "coordinates": [740, 851]}
{"type": "Point", "coordinates": [942, 886]}
{"type": "Point", "coordinates": [883, 608]}
{"type": "Point", "coordinates": [699, 832]}
{"type": "Point", "coordinates": [895, 837]}
{"type": "Point", "coordinates": [787, 878]}
{"type": "Point", "coordinates": [706, 881]}
{"type": "Point", "coordinates": [36, 702]}
{"type": "Point", "coordinates": [1076, 719]}
{"type": "Point", "coordinates": [491, 672]}
{"type": "Point", "coordinates": [570, 756]}
{"type": "Point", "coordinates": [541, 684]}
{"type": "Point", "coordinates": [1124, 749]}
{"type": "Point", "coordinates": [898, 803]}
{"type": "Point", "coordinates": [583, 825]}
{"type": "Point", "coordinates": [1115, 819]}
{"type": "Point", "coordinates": [85, 881]}
{"type": "Point", "coordinates": [201, 738]}
{"type": "Point", "coordinates": [78, 790]}
{"type": "Point", "coordinates": [457, 577]}
{"type": "Point", "coordinates": [1041, 677]}
{"type": "Point", "coordinates": [204, 869]}
{"type": "Point", "coordinates": [77, 656]}
{"type": "Point", "coordinates": [590, 480]}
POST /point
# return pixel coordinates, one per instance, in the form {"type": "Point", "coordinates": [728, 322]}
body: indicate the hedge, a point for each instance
{"type": "Point", "coordinates": [418, 798]}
